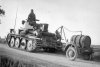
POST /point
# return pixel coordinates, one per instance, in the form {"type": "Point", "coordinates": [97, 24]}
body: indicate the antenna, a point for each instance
{"type": "Point", "coordinates": [15, 18]}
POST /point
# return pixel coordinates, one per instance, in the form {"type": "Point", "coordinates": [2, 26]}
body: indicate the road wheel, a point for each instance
{"type": "Point", "coordinates": [23, 44]}
{"type": "Point", "coordinates": [12, 42]}
{"type": "Point", "coordinates": [17, 42]}
{"type": "Point", "coordinates": [31, 45]}
{"type": "Point", "coordinates": [71, 53]}
{"type": "Point", "coordinates": [8, 39]}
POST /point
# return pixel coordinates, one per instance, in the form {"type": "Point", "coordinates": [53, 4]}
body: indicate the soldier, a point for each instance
{"type": "Point", "coordinates": [25, 27]}
{"type": "Point", "coordinates": [32, 18]}
{"type": "Point", "coordinates": [30, 24]}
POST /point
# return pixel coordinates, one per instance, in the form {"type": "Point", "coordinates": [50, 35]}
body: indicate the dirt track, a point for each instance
{"type": "Point", "coordinates": [45, 59]}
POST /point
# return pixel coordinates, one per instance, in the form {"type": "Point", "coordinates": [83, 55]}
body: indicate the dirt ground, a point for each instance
{"type": "Point", "coordinates": [20, 58]}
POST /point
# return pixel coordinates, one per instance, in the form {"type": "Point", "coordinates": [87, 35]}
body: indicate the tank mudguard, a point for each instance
{"type": "Point", "coordinates": [66, 45]}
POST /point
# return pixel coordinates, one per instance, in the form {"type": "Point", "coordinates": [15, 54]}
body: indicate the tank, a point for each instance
{"type": "Point", "coordinates": [33, 39]}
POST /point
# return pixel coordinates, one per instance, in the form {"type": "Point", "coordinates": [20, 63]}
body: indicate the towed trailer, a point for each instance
{"type": "Point", "coordinates": [78, 46]}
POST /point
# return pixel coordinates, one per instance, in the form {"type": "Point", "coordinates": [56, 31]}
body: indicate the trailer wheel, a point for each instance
{"type": "Point", "coordinates": [71, 53]}
{"type": "Point", "coordinates": [17, 42]}
{"type": "Point", "coordinates": [23, 44]}
{"type": "Point", "coordinates": [12, 42]}
{"type": "Point", "coordinates": [31, 45]}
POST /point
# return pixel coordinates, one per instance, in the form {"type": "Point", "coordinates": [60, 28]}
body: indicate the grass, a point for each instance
{"type": "Point", "coordinates": [10, 62]}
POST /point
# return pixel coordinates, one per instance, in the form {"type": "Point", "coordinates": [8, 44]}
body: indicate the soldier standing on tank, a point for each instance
{"type": "Point", "coordinates": [32, 18]}
{"type": "Point", "coordinates": [30, 24]}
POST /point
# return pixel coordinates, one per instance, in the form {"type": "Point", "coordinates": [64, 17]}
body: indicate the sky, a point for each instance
{"type": "Point", "coordinates": [76, 15]}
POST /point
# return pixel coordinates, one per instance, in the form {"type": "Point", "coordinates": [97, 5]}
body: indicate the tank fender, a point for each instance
{"type": "Point", "coordinates": [67, 46]}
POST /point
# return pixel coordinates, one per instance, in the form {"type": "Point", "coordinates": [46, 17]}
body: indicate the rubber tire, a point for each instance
{"type": "Point", "coordinates": [72, 58]}
{"type": "Point", "coordinates": [12, 42]}
{"type": "Point", "coordinates": [31, 45]}
{"type": "Point", "coordinates": [8, 39]}
{"type": "Point", "coordinates": [17, 43]}
{"type": "Point", "coordinates": [23, 46]}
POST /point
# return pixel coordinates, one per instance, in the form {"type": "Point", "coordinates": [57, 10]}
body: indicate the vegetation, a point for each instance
{"type": "Point", "coordinates": [10, 62]}
{"type": "Point", "coordinates": [2, 12]}
{"type": "Point", "coordinates": [3, 41]}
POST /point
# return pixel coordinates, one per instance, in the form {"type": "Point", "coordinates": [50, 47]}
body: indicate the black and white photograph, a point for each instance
{"type": "Point", "coordinates": [49, 33]}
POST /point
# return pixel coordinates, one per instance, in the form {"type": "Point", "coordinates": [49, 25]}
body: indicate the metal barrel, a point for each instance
{"type": "Point", "coordinates": [81, 40]}
{"type": "Point", "coordinates": [73, 39]}
{"type": "Point", "coordinates": [85, 41]}
{"type": "Point", "coordinates": [78, 39]}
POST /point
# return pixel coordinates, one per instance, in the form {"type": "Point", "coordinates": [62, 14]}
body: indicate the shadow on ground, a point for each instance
{"type": "Point", "coordinates": [95, 56]}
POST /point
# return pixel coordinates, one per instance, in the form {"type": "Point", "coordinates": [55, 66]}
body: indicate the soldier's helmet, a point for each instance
{"type": "Point", "coordinates": [32, 10]}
